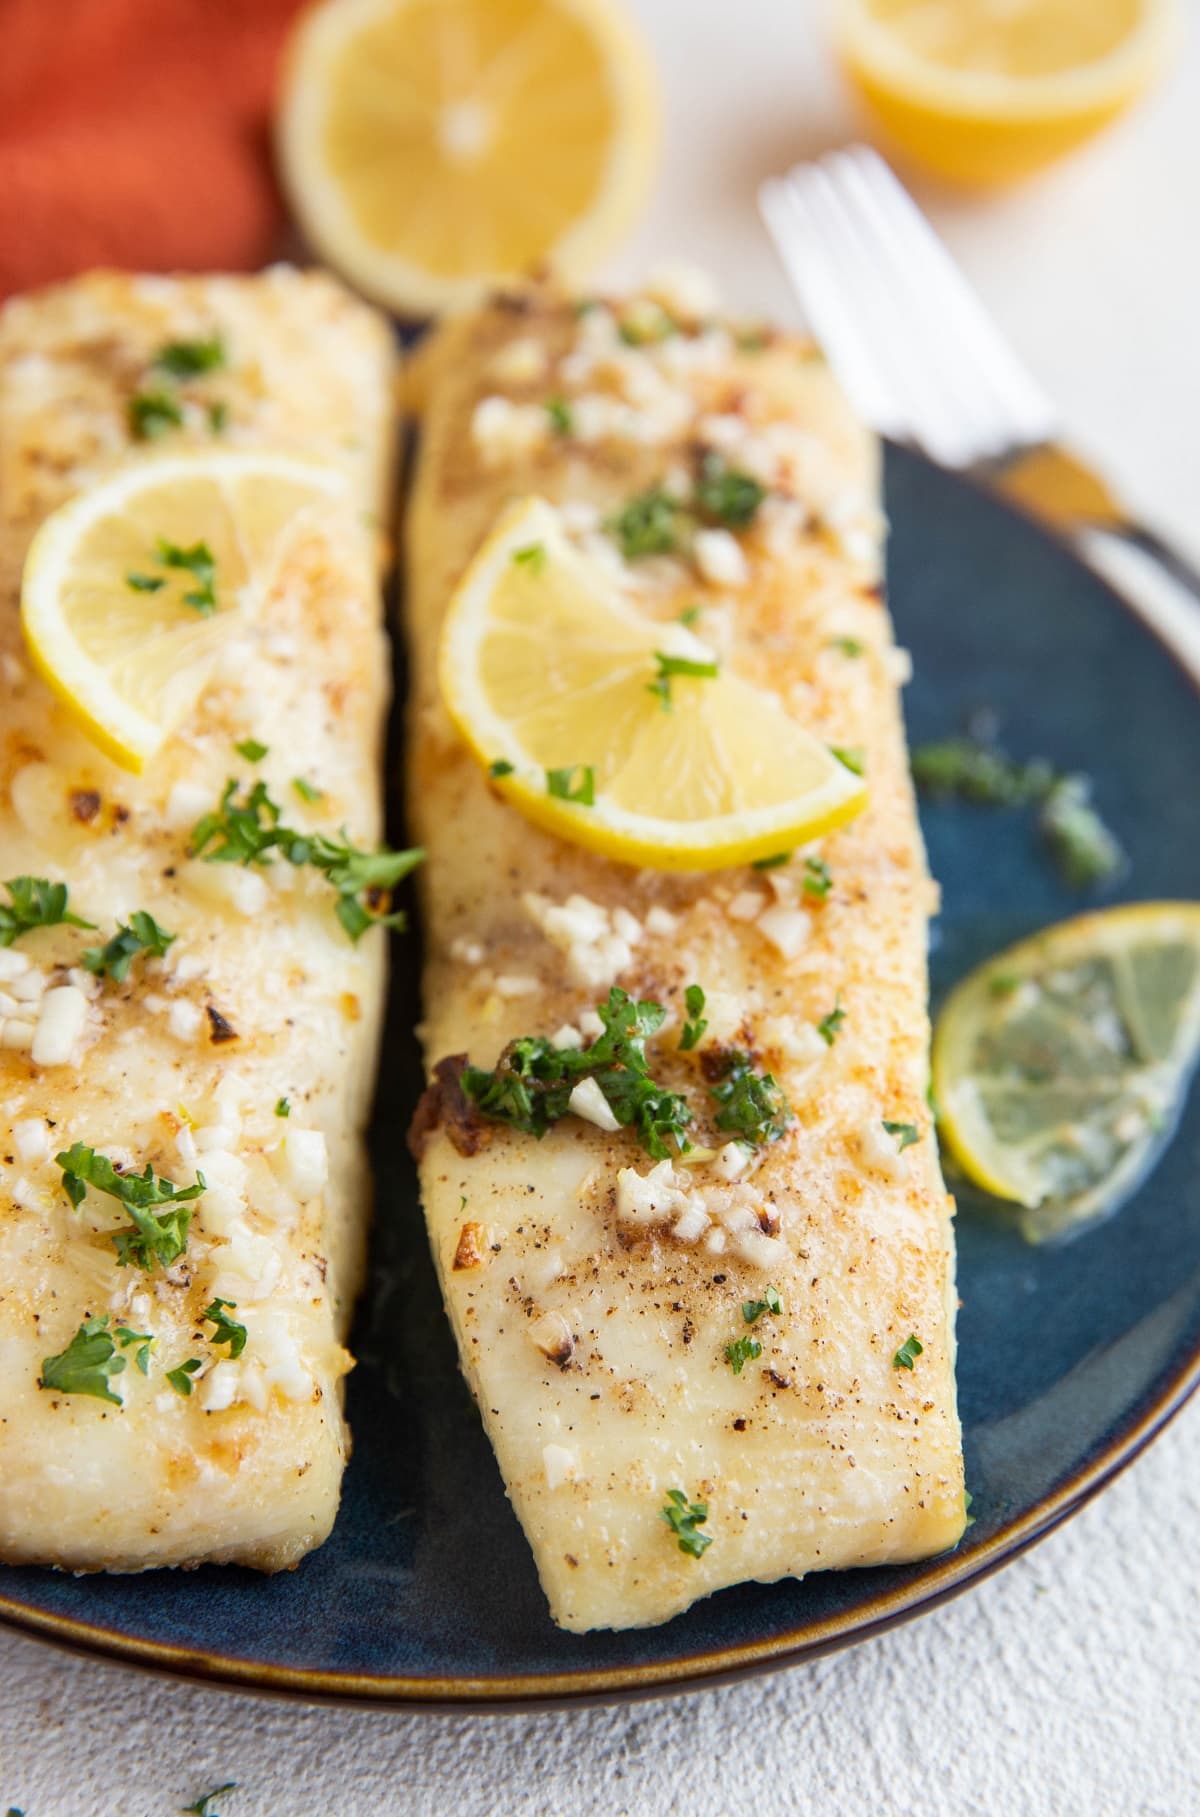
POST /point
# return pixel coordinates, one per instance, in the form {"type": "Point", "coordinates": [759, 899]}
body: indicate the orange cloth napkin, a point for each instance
{"type": "Point", "coordinates": [135, 134]}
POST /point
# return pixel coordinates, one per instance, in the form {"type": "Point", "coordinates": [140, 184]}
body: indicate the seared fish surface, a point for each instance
{"type": "Point", "coordinates": [650, 1457]}
{"type": "Point", "coordinates": [244, 1054]}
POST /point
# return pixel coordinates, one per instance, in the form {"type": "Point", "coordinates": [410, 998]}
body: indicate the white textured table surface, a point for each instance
{"type": "Point", "coordinates": [1068, 1684]}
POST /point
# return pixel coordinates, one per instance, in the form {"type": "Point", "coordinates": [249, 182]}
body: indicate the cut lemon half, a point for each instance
{"type": "Point", "coordinates": [131, 590]}
{"type": "Point", "coordinates": [432, 147]}
{"type": "Point", "coordinates": [608, 729]}
{"type": "Point", "coordinates": [984, 91]}
{"type": "Point", "coordinates": [1060, 1066]}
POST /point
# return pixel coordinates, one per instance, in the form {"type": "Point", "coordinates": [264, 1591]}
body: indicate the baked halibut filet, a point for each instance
{"type": "Point", "coordinates": [246, 1052]}
{"type": "Point", "coordinates": [650, 1459]}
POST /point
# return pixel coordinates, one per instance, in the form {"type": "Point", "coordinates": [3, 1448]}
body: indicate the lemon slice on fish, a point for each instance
{"type": "Point", "coordinates": [131, 590]}
{"type": "Point", "coordinates": [616, 732]}
{"type": "Point", "coordinates": [1059, 1066]}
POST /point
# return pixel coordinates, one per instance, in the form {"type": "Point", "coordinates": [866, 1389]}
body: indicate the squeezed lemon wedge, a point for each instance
{"type": "Point", "coordinates": [1060, 1065]}
{"type": "Point", "coordinates": [616, 732]}
{"type": "Point", "coordinates": [131, 590]}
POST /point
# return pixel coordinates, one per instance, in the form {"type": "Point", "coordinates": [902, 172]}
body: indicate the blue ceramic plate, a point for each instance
{"type": "Point", "coordinates": [1069, 1359]}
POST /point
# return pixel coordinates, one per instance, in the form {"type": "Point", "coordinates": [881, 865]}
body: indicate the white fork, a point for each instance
{"type": "Point", "coordinates": [922, 361]}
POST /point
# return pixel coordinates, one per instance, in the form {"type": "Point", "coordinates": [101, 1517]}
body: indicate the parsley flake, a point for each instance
{"type": "Point", "coordinates": [652, 523]}
{"type": "Point", "coordinates": [198, 561]}
{"type": "Point", "coordinates": [560, 414]}
{"type": "Point", "coordinates": [188, 359]}
{"type": "Point", "coordinates": [144, 1342]}
{"type": "Point", "coordinates": [500, 766]}
{"type": "Point", "coordinates": [685, 1520]}
{"type": "Point", "coordinates": [829, 1026]}
{"type": "Point", "coordinates": [694, 1027]}
{"type": "Point", "coordinates": [531, 1085]}
{"type": "Point", "coordinates": [908, 1133]}
{"type": "Point", "coordinates": [87, 1365]}
{"type": "Point", "coordinates": [752, 1105]}
{"type": "Point", "coordinates": [180, 1379]}
{"type": "Point", "coordinates": [228, 1331]}
{"type": "Point", "coordinates": [752, 1310]}
{"type": "Point", "coordinates": [725, 494]}
{"type": "Point", "coordinates": [251, 750]}
{"type": "Point", "coordinates": [743, 1350]}
{"type": "Point", "coordinates": [849, 646]}
{"type": "Point", "coordinates": [145, 583]}
{"type": "Point", "coordinates": [114, 958]}
{"type": "Point", "coordinates": [152, 413]}
{"type": "Point", "coordinates": [152, 1236]}
{"type": "Point", "coordinates": [772, 861]}
{"type": "Point", "coordinates": [531, 556]}
{"type": "Point", "coordinates": [35, 902]}
{"type": "Point", "coordinates": [851, 756]}
{"type": "Point", "coordinates": [670, 666]}
{"type": "Point", "coordinates": [818, 878]}
{"type": "Point", "coordinates": [218, 416]}
{"type": "Point", "coordinates": [689, 615]}
{"type": "Point", "coordinates": [283, 1107]}
{"type": "Point", "coordinates": [307, 791]}
{"type": "Point", "coordinates": [909, 1351]}
{"type": "Point", "coordinates": [563, 786]}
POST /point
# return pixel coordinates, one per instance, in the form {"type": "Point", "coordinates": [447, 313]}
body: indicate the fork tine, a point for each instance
{"type": "Point", "coordinates": [1025, 412]}
{"type": "Point", "coordinates": [805, 257]}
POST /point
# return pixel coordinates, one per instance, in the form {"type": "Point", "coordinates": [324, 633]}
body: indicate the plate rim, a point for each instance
{"type": "Point", "coordinates": [529, 1693]}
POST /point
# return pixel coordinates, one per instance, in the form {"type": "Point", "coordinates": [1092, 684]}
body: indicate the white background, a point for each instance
{"type": "Point", "coordinates": [1068, 1684]}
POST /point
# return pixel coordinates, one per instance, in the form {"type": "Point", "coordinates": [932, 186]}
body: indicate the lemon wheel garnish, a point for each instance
{"type": "Point", "coordinates": [131, 590]}
{"type": "Point", "coordinates": [551, 678]}
{"type": "Point", "coordinates": [982, 92]}
{"type": "Point", "coordinates": [431, 147]}
{"type": "Point", "coordinates": [1060, 1065]}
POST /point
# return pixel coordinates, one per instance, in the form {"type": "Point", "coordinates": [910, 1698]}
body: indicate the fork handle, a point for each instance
{"type": "Point", "coordinates": [1059, 489]}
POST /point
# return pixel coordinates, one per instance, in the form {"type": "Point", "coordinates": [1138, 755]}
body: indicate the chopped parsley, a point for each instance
{"type": "Point", "coordinates": [145, 583]}
{"type": "Point", "coordinates": [852, 756]}
{"type": "Point", "coordinates": [152, 1236]}
{"type": "Point", "coordinates": [189, 359]}
{"type": "Point", "coordinates": [200, 1808]}
{"type": "Point", "coordinates": [751, 1104]}
{"type": "Point", "coordinates": [198, 561]}
{"type": "Point", "coordinates": [974, 768]}
{"type": "Point", "coordinates": [500, 766]}
{"type": "Point", "coordinates": [144, 1342]}
{"type": "Point", "coordinates": [35, 902]}
{"type": "Point", "coordinates": [251, 750]}
{"type": "Point", "coordinates": [652, 523]}
{"type": "Point", "coordinates": [907, 1133]}
{"type": "Point", "coordinates": [307, 791]}
{"type": "Point", "coordinates": [531, 556]}
{"type": "Point", "coordinates": [689, 615]}
{"type": "Point", "coordinates": [908, 1353]}
{"type": "Point", "coordinates": [153, 413]}
{"type": "Point", "coordinates": [218, 416]}
{"type": "Point", "coordinates": [563, 786]}
{"type": "Point", "coordinates": [752, 1310]}
{"type": "Point", "coordinates": [818, 878]}
{"type": "Point", "coordinates": [743, 1350]}
{"type": "Point", "coordinates": [559, 412]}
{"type": "Point", "coordinates": [849, 646]}
{"type": "Point", "coordinates": [114, 958]}
{"type": "Point", "coordinates": [694, 1027]}
{"type": "Point", "coordinates": [283, 1107]}
{"type": "Point", "coordinates": [1003, 984]}
{"type": "Point", "coordinates": [772, 861]}
{"type": "Point", "coordinates": [531, 1085]}
{"type": "Point", "coordinates": [726, 495]}
{"type": "Point", "coordinates": [250, 831]}
{"type": "Point", "coordinates": [228, 1331]}
{"type": "Point", "coordinates": [685, 1520]}
{"type": "Point", "coordinates": [829, 1026]}
{"type": "Point", "coordinates": [651, 323]}
{"type": "Point", "coordinates": [181, 1378]}
{"type": "Point", "coordinates": [87, 1365]}
{"type": "Point", "coordinates": [670, 666]}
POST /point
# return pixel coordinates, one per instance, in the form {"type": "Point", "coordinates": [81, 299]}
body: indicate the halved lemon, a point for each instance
{"type": "Point", "coordinates": [1059, 1067]}
{"type": "Point", "coordinates": [984, 91]}
{"type": "Point", "coordinates": [605, 727]}
{"type": "Point", "coordinates": [131, 589]}
{"type": "Point", "coordinates": [431, 147]}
